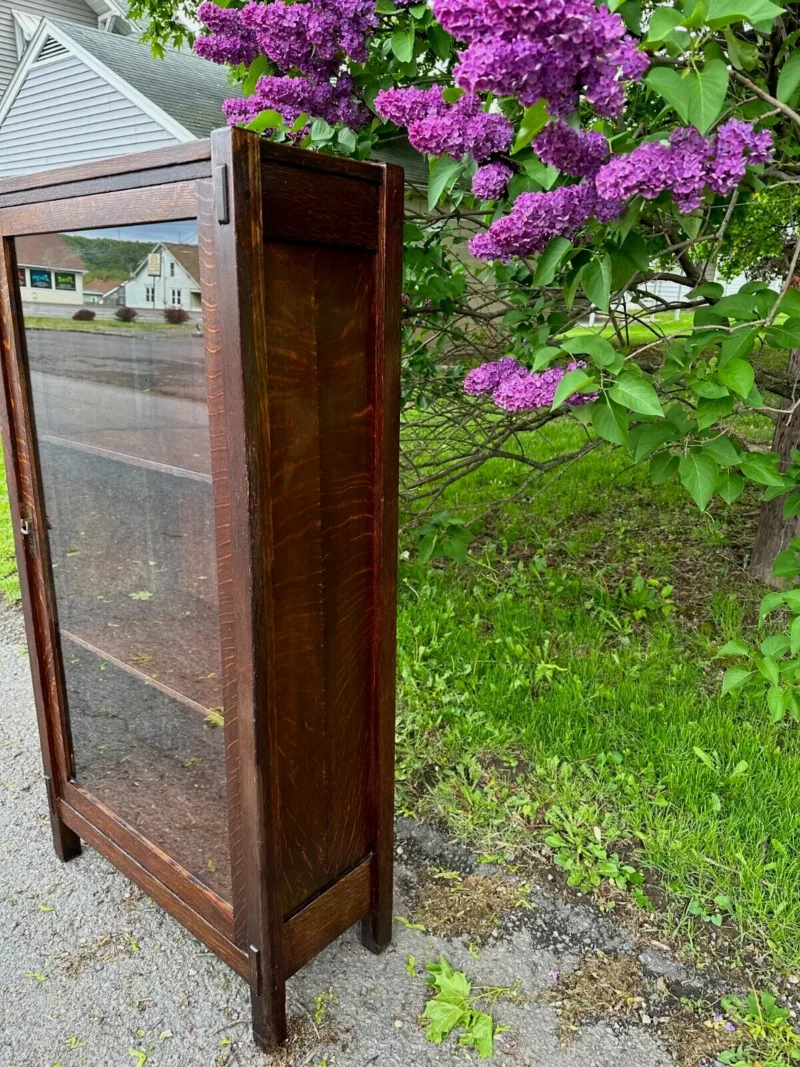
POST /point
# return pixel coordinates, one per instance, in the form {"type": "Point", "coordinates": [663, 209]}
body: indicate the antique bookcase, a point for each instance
{"type": "Point", "coordinates": [206, 521]}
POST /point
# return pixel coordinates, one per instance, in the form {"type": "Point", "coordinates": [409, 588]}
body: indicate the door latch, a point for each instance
{"type": "Point", "coordinates": [25, 527]}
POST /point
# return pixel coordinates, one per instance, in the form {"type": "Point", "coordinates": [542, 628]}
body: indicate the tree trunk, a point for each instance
{"type": "Point", "coordinates": [773, 534]}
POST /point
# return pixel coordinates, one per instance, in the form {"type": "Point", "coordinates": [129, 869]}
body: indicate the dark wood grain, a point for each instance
{"type": "Point", "coordinates": [123, 207]}
{"type": "Point", "coordinates": [313, 207]}
{"type": "Point", "coordinates": [377, 930]}
{"type": "Point", "coordinates": [225, 518]}
{"type": "Point", "coordinates": [137, 179]}
{"type": "Point", "coordinates": [289, 156]}
{"type": "Point", "coordinates": [25, 497]}
{"type": "Point", "coordinates": [239, 262]}
{"type": "Point", "coordinates": [176, 903]}
{"type": "Point", "coordinates": [327, 916]}
{"type": "Point", "coordinates": [118, 166]}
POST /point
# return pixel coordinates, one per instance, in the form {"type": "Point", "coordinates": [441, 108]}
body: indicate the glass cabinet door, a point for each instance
{"type": "Point", "coordinates": [122, 431]}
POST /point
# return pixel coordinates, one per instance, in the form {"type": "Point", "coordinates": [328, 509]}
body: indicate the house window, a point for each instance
{"type": "Point", "coordinates": [172, 270]}
{"type": "Point", "coordinates": [65, 280]}
{"type": "Point", "coordinates": [150, 294]}
{"type": "Point", "coordinates": [41, 279]}
{"type": "Point", "coordinates": [176, 297]}
{"type": "Point", "coordinates": [21, 276]}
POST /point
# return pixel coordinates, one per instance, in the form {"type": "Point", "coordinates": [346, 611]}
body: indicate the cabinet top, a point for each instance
{"type": "Point", "coordinates": [179, 162]}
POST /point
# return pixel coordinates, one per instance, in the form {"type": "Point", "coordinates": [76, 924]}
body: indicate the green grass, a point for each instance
{"type": "Point", "coordinates": [45, 322]}
{"type": "Point", "coordinates": [538, 678]}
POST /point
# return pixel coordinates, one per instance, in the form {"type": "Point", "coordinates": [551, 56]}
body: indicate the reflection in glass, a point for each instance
{"type": "Point", "coordinates": [122, 428]}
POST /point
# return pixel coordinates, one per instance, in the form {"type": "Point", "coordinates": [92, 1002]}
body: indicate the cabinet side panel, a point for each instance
{"type": "Point", "coordinates": [345, 343]}
{"type": "Point", "coordinates": [320, 345]}
{"type": "Point", "coordinates": [297, 571]}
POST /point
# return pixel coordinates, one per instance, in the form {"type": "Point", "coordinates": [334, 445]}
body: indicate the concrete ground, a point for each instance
{"type": "Point", "coordinates": [93, 973]}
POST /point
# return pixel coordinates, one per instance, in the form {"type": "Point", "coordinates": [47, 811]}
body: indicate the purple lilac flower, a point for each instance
{"type": "Point", "coordinates": [229, 41]}
{"type": "Point", "coordinates": [490, 181]}
{"type": "Point", "coordinates": [570, 151]}
{"type": "Point", "coordinates": [536, 218]}
{"type": "Point", "coordinates": [487, 377]}
{"type": "Point", "coordinates": [438, 128]}
{"type": "Point", "coordinates": [292, 97]}
{"type": "Point", "coordinates": [687, 165]}
{"type": "Point", "coordinates": [527, 391]}
{"type": "Point", "coordinates": [543, 48]}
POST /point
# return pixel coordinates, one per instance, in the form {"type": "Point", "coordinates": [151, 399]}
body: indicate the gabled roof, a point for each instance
{"type": "Point", "coordinates": [182, 92]}
{"type": "Point", "coordinates": [48, 250]}
{"type": "Point", "coordinates": [101, 285]}
{"type": "Point", "coordinates": [189, 258]}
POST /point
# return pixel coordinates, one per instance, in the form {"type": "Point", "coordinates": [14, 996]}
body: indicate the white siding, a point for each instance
{"type": "Point", "coordinates": [66, 113]}
{"type": "Point", "coordinates": [72, 10]}
{"type": "Point", "coordinates": [170, 290]}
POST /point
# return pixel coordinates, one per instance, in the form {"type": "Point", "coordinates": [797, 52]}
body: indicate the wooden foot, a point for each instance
{"type": "Point", "coordinates": [269, 1022]}
{"type": "Point", "coordinates": [376, 929]}
{"type": "Point", "coordinates": [65, 841]}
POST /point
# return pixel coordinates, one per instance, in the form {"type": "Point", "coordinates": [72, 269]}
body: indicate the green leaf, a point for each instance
{"type": "Point", "coordinates": [725, 12]}
{"type": "Point", "coordinates": [347, 139]}
{"type": "Point", "coordinates": [572, 381]}
{"type": "Point", "coordinates": [738, 375]}
{"type": "Point", "coordinates": [266, 120]}
{"type": "Point", "coordinates": [723, 450]}
{"type": "Point", "coordinates": [768, 604]}
{"type": "Point", "coordinates": [443, 1017]}
{"type": "Point", "coordinates": [653, 436]}
{"type": "Point", "coordinates": [550, 260]}
{"type": "Point", "coordinates": [633, 392]}
{"type": "Point", "coordinates": [321, 130]}
{"type": "Point", "coordinates": [403, 44]}
{"type": "Point", "coordinates": [534, 119]}
{"type": "Point", "coordinates": [794, 635]}
{"type": "Point", "coordinates": [543, 356]}
{"type": "Point", "coordinates": [786, 335]}
{"type": "Point", "coordinates": [734, 678]}
{"type": "Point", "coordinates": [259, 66]}
{"type": "Point", "coordinates": [481, 1034]}
{"type": "Point", "coordinates": [663, 467]}
{"type": "Point", "coordinates": [730, 486]}
{"type": "Point", "coordinates": [785, 566]}
{"type": "Point", "coordinates": [738, 346]}
{"type": "Point", "coordinates": [710, 289]}
{"type": "Point", "coordinates": [707, 92]}
{"type": "Point", "coordinates": [596, 281]}
{"type": "Point", "coordinates": [733, 648]}
{"type": "Point", "coordinates": [769, 669]}
{"type": "Point", "coordinates": [698, 474]}
{"type": "Point", "coordinates": [710, 411]}
{"type": "Point", "coordinates": [791, 506]}
{"type": "Point", "coordinates": [775, 702]}
{"type": "Point", "coordinates": [762, 469]}
{"type": "Point", "coordinates": [591, 344]}
{"type": "Point", "coordinates": [610, 420]}
{"type": "Point", "coordinates": [443, 175]}
{"type": "Point", "coordinates": [672, 87]}
{"type": "Point", "coordinates": [440, 41]}
{"type": "Point", "coordinates": [662, 22]}
{"type": "Point", "coordinates": [789, 79]}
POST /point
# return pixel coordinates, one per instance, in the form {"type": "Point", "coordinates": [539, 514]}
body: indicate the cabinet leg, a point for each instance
{"type": "Point", "coordinates": [376, 926]}
{"type": "Point", "coordinates": [269, 1017]}
{"type": "Point", "coordinates": [65, 841]}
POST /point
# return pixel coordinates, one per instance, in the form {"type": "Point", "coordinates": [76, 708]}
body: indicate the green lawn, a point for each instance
{"type": "Point", "coordinates": [45, 322]}
{"type": "Point", "coordinates": [560, 681]}
{"type": "Point", "coordinates": [9, 583]}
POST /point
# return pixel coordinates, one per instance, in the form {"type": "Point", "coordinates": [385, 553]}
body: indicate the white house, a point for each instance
{"type": "Point", "coordinates": [168, 277]}
{"type": "Point", "coordinates": [50, 271]}
{"type": "Point", "coordinates": [82, 93]}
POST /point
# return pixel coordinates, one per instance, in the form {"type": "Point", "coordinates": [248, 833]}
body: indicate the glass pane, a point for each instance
{"type": "Point", "coordinates": [119, 399]}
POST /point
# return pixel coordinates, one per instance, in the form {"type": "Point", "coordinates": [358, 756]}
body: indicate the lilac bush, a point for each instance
{"type": "Point", "coordinates": [583, 156]}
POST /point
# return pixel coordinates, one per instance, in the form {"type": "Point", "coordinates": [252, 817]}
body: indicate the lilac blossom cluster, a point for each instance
{"type": "Point", "coordinates": [551, 49]}
{"type": "Point", "coordinates": [574, 152]}
{"type": "Point", "coordinates": [687, 165]}
{"type": "Point", "coordinates": [514, 388]}
{"type": "Point", "coordinates": [312, 38]}
{"type": "Point", "coordinates": [438, 128]}
{"type": "Point", "coordinates": [536, 218]}
{"type": "Point", "coordinates": [490, 181]}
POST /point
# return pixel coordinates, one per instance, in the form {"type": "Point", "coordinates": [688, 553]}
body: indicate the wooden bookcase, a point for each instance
{"type": "Point", "coordinates": [206, 530]}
